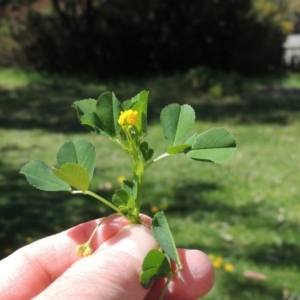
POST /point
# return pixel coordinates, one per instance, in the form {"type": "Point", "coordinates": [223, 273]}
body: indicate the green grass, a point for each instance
{"type": "Point", "coordinates": [246, 210]}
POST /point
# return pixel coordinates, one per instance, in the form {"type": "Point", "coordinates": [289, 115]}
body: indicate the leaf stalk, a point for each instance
{"type": "Point", "coordinates": [94, 195]}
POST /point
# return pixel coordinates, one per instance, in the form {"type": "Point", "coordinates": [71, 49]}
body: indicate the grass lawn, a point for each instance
{"type": "Point", "coordinates": [244, 213]}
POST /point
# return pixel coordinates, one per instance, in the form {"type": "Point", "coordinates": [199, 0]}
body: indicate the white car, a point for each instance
{"type": "Point", "coordinates": [291, 54]}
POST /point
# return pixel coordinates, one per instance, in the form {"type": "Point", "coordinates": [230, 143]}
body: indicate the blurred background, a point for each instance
{"type": "Point", "coordinates": [236, 62]}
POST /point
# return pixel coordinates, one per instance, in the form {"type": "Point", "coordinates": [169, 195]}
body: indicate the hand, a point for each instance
{"type": "Point", "coordinates": [49, 268]}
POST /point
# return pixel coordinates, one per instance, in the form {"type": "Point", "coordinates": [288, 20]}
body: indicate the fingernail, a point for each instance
{"type": "Point", "coordinates": [135, 240]}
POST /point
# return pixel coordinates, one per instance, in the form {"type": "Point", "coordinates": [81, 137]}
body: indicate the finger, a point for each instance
{"type": "Point", "coordinates": [111, 273]}
{"type": "Point", "coordinates": [31, 269]}
{"type": "Point", "coordinates": [192, 282]}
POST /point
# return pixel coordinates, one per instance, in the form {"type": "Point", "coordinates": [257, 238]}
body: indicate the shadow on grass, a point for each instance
{"type": "Point", "coordinates": [192, 201]}
{"type": "Point", "coordinates": [48, 106]}
{"type": "Point", "coordinates": [268, 105]}
{"type": "Point", "coordinates": [39, 107]}
{"type": "Point", "coordinates": [28, 214]}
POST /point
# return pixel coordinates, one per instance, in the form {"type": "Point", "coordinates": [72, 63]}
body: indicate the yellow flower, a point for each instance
{"type": "Point", "coordinates": [121, 178]}
{"type": "Point", "coordinates": [154, 209]}
{"type": "Point", "coordinates": [217, 263]}
{"type": "Point", "coordinates": [228, 267]}
{"type": "Point", "coordinates": [128, 117]}
{"type": "Point", "coordinates": [84, 250]}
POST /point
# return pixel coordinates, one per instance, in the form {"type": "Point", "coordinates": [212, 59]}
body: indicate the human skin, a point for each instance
{"type": "Point", "coordinates": [50, 269]}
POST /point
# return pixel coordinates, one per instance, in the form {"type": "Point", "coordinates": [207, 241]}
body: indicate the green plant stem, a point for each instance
{"type": "Point", "coordinates": [139, 179]}
{"type": "Point", "coordinates": [150, 163]}
{"type": "Point", "coordinates": [92, 194]}
{"type": "Point", "coordinates": [119, 143]}
{"type": "Point", "coordinates": [168, 282]}
{"type": "Point", "coordinates": [161, 296]}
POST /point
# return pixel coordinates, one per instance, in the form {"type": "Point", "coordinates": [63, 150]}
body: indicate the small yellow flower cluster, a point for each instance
{"type": "Point", "coordinates": [84, 250]}
{"type": "Point", "coordinates": [218, 262]}
{"type": "Point", "coordinates": [128, 117]}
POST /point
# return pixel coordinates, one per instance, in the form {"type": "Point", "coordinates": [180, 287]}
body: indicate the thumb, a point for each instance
{"type": "Point", "coordinates": [111, 273]}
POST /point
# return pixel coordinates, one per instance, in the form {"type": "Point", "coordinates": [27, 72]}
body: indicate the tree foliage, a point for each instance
{"type": "Point", "coordinates": [283, 13]}
{"type": "Point", "coordinates": [150, 36]}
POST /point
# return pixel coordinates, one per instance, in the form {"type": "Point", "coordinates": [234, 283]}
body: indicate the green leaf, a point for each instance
{"type": "Point", "coordinates": [176, 122]}
{"type": "Point", "coordinates": [73, 174]}
{"type": "Point", "coordinates": [80, 152]}
{"type": "Point", "coordinates": [211, 155]}
{"type": "Point", "coordinates": [214, 145]}
{"type": "Point", "coordinates": [108, 111]}
{"type": "Point", "coordinates": [100, 116]}
{"type": "Point", "coordinates": [86, 112]}
{"type": "Point", "coordinates": [130, 187]}
{"type": "Point", "coordinates": [126, 211]}
{"type": "Point", "coordinates": [191, 140]}
{"type": "Point", "coordinates": [92, 121]}
{"type": "Point", "coordinates": [216, 137]}
{"type": "Point", "coordinates": [84, 106]}
{"type": "Point", "coordinates": [146, 151]}
{"type": "Point", "coordinates": [155, 265]}
{"type": "Point", "coordinates": [163, 236]}
{"type": "Point", "coordinates": [41, 177]}
{"type": "Point", "coordinates": [120, 198]}
{"type": "Point", "coordinates": [127, 104]}
{"type": "Point", "coordinates": [126, 195]}
{"type": "Point", "coordinates": [177, 149]}
{"type": "Point", "coordinates": [140, 105]}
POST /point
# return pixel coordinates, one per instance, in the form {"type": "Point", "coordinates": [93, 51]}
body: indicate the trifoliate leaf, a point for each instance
{"type": "Point", "coordinates": [163, 236]}
{"type": "Point", "coordinates": [100, 116]}
{"type": "Point", "coordinates": [73, 174]}
{"type": "Point", "coordinates": [176, 122]}
{"type": "Point", "coordinates": [80, 152]}
{"type": "Point", "coordinates": [41, 177]}
{"type": "Point", "coordinates": [155, 265]}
